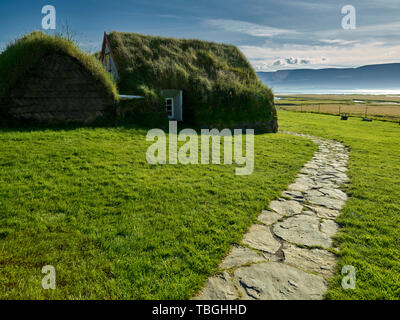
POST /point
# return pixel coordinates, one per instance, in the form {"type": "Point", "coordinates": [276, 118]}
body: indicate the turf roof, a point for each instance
{"type": "Point", "coordinates": [25, 52]}
{"type": "Point", "coordinates": [168, 62]}
{"type": "Point", "coordinates": [219, 83]}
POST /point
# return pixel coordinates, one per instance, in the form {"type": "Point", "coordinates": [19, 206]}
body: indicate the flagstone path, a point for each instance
{"type": "Point", "coordinates": [284, 255]}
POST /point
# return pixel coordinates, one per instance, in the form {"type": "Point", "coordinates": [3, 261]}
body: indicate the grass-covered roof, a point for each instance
{"type": "Point", "coordinates": [25, 52]}
{"type": "Point", "coordinates": [219, 83]}
{"type": "Point", "coordinates": [168, 62]}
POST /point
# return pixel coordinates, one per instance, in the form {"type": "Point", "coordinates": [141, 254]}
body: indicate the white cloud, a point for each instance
{"type": "Point", "coordinates": [338, 41]}
{"type": "Point", "coordinates": [248, 28]}
{"type": "Point", "coordinates": [265, 59]}
{"type": "Point", "coordinates": [288, 49]}
{"type": "Point", "coordinates": [291, 61]}
{"type": "Point", "coordinates": [386, 30]}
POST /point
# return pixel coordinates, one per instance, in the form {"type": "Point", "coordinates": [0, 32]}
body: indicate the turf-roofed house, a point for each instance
{"type": "Point", "coordinates": [204, 84]}
{"type": "Point", "coordinates": [48, 79]}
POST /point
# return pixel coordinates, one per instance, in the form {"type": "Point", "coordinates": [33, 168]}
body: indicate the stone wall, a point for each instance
{"type": "Point", "coordinates": [58, 89]}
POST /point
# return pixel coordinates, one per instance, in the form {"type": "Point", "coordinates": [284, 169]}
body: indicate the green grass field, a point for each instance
{"type": "Point", "coordinates": [86, 201]}
{"type": "Point", "coordinates": [370, 237]}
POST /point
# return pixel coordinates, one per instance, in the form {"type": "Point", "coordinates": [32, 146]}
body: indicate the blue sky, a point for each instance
{"type": "Point", "coordinates": [273, 35]}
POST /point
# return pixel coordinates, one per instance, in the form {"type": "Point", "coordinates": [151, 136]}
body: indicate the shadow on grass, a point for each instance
{"type": "Point", "coordinates": [10, 125]}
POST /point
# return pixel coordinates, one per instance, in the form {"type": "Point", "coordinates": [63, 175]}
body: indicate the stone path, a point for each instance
{"type": "Point", "coordinates": [285, 256]}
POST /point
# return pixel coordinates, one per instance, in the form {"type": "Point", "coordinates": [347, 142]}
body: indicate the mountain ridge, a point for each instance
{"type": "Point", "coordinates": [376, 76]}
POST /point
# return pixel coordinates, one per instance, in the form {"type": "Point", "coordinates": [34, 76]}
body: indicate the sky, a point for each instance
{"type": "Point", "coordinates": [274, 35]}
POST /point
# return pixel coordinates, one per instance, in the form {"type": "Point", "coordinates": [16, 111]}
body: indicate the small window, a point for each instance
{"type": "Point", "coordinates": [108, 62]}
{"type": "Point", "coordinates": [169, 103]}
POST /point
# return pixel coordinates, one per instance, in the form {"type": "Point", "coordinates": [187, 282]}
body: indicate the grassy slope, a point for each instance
{"type": "Point", "coordinates": [370, 237]}
{"type": "Point", "coordinates": [25, 52]}
{"type": "Point", "coordinates": [86, 201]}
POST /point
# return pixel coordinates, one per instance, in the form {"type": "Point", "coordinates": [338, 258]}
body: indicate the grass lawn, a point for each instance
{"type": "Point", "coordinates": [370, 234]}
{"type": "Point", "coordinates": [86, 201]}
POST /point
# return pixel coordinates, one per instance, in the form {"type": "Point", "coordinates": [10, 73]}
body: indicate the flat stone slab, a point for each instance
{"type": "Point", "coordinates": [334, 193]}
{"type": "Point", "coordinates": [260, 237]}
{"type": "Point", "coordinates": [277, 281]}
{"type": "Point", "coordinates": [286, 207]}
{"type": "Point", "coordinates": [219, 287]}
{"type": "Point", "coordinates": [305, 179]}
{"type": "Point", "coordinates": [303, 229]}
{"type": "Point", "coordinates": [292, 194]}
{"type": "Point", "coordinates": [240, 256]}
{"type": "Point", "coordinates": [313, 193]}
{"type": "Point", "coordinates": [325, 201]}
{"type": "Point", "coordinates": [329, 227]}
{"type": "Point", "coordinates": [300, 186]}
{"type": "Point", "coordinates": [268, 217]}
{"type": "Point", "coordinates": [271, 257]}
{"type": "Point", "coordinates": [315, 260]}
{"type": "Point", "coordinates": [323, 212]}
{"type": "Point", "coordinates": [319, 183]}
{"type": "Point", "coordinates": [311, 165]}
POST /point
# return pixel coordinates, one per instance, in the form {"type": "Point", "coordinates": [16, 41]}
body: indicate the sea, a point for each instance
{"type": "Point", "coordinates": [391, 92]}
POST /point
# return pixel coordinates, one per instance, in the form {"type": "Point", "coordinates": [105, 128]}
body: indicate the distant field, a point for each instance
{"type": "Point", "coordinates": [382, 107]}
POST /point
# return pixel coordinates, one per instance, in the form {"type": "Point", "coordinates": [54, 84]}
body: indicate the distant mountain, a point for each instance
{"type": "Point", "coordinates": [381, 76]}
